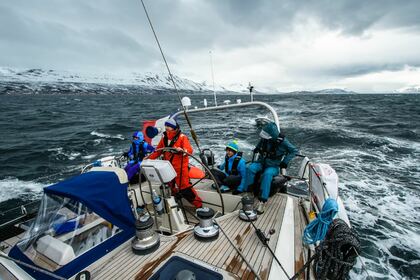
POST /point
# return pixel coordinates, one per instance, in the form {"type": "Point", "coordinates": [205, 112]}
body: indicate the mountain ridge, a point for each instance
{"type": "Point", "coordinates": [75, 82]}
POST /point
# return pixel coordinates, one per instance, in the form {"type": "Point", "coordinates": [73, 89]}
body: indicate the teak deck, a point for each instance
{"type": "Point", "coordinates": [218, 254]}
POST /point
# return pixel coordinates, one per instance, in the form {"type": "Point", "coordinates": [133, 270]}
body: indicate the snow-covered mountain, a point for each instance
{"type": "Point", "coordinates": [53, 81]}
{"type": "Point", "coordinates": [410, 89]}
{"type": "Point", "coordinates": [149, 80]}
{"type": "Point", "coordinates": [325, 91]}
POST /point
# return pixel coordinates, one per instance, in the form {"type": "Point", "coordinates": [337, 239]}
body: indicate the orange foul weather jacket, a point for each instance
{"type": "Point", "coordinates": [179, 160]}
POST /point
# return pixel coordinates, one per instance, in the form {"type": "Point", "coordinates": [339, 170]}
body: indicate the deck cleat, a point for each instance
{"type": "Point", "coordinates": [206, 230]}
{"type": "Point", "coordinates": [247, 213]}
{"type": "Point", "coordinates": [146, 240]}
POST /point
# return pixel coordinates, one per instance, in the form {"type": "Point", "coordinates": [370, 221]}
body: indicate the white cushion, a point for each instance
{"type": "Point", "coordinates": [55, 249]}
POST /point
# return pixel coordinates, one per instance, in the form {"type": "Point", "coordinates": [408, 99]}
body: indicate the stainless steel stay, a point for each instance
{"type": "Point", "coordinates": [245, 104]}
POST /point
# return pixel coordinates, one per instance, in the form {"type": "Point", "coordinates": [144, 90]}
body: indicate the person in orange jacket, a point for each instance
{"type": "Point", "coordinates": [174, 138]}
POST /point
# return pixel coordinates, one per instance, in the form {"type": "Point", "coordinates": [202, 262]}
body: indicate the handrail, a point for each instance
{"type": "Point", "coordinates": [245, 104]}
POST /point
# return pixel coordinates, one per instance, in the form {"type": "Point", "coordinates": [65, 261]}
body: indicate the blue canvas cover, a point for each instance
{"type": "Point", "coordinates": [102, 192]}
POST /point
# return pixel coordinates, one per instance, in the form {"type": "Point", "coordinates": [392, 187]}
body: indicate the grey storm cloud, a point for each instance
{"type": "Point", "coordinates": [115, 34]}
{"type": "Point", "coordinates": [358, 69]}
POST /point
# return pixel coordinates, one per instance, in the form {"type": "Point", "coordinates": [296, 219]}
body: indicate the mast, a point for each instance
{"type": "Point", "coordinates": [212, 77]}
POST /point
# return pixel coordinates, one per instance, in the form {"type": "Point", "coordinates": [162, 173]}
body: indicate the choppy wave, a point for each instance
{"type": "Point", "coordinates": [373, 143]}
{"type": "Point", "coordinates": [13, 188]}
{"type": "Point", "coordinates": [103, 135]}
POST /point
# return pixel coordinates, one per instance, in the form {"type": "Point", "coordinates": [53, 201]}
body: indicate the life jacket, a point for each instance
{"type": "Point", "coordinates": [165, 139]}
{"type": "Point", "coordinates": [139, 154]}
{"type": "Point", "coordinates": [234, 169]}
{"type": "Point", "coordinates": [171, 144]}
{"type": "Point", "coordinates": [268, 147]}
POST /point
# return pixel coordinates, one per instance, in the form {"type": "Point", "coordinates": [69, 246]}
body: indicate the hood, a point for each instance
{"type": "Point", "coordinates": [271, 129]}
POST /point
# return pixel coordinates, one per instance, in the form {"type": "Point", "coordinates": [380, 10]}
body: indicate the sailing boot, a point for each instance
{"type": "Point", "coordinates": [260, 208]}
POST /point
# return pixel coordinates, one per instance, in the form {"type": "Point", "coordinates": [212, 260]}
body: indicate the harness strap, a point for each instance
{"type": "Point", "coordinates": [172, 143]}
{"type": "Point", "coordinates": [234, 169]}
{"type": "Point", "coordinates": [139, 154]}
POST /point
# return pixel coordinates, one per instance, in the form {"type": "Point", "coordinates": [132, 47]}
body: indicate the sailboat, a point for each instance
{"type": "Point", "coordinates": [98, 225]}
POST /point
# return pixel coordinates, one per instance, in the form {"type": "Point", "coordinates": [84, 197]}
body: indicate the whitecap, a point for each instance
{"type": "Point", "coordinates": [103, 135]}
{"type": "Point", "coordinates": [11, 187]}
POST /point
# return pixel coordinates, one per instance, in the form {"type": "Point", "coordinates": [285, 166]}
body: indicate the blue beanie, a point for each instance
{"type": "Point", "coordinates": [233, 145]}
{"type": "Point", "coordinates": [172, 123]}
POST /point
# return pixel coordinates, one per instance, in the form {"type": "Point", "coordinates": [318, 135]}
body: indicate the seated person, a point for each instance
{"type": "Point", "coordinates": [138, 150]}
{"type": "Point", "coordinates": [232, 172]}
{"type": "Point", "coordinates": [274, 151]}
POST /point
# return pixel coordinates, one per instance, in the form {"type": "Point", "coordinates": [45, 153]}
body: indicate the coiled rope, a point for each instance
{"type": "Point", "coordinates": [318, 228]}
{"type": "Point", "coordinates": [338, 253]}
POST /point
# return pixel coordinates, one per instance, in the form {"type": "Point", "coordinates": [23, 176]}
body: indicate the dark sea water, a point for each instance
{"type": "Point", "coordinates": [372, 141]}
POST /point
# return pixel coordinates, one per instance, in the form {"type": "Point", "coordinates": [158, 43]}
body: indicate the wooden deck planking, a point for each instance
{"type": "Point", "coordinates": [299, 227]}
{"type": "Point", "coordinates": [234, 258]}
{"type": "Point", "coordinates": [218, 253]}
{"type": "Point", "coordinates": [263, 263]}
{"type": "Point", "coordinates": [112, 268]}
{"type": "Point", "coordinates": [242, 234]}
{"type": "Point", "coordinates": [262, 223]}
{"type": "Point", "coordinates": [220, 246]}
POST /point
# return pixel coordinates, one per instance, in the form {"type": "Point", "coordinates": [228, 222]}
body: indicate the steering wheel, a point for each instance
{"type": "Point", "coordinates": [174, 150]}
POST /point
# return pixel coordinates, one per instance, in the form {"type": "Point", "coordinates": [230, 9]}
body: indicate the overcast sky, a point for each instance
{"type": "Point", "coordinates": [367, 46]}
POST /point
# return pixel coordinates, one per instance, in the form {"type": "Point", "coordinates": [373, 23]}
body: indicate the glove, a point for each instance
{"type": "Point", "coordinates": [125, 154]}
{"type": "Point", "coordinates": [283, 165]}
{"type": "Point", "coordinates": [256, 150]}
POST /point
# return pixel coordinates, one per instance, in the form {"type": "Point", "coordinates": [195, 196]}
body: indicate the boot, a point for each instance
{"type": "Point", "coordinates": [260, 208]}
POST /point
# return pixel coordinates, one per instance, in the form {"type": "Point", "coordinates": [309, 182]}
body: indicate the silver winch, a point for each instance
{"type": "Point", "coordinates": [146, 240]}
{"type": "Point", "coordinates": [206, 230]}
{"type": "Point", "coordinates": [247, 213]}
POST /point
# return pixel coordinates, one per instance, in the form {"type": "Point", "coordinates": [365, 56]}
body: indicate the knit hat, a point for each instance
{"type": "Point", "coordinates": [171, 123]}
{"type": "Point", "coordinates": [233, 145]}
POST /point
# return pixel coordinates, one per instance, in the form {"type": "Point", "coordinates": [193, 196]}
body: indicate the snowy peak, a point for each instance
{"type": "Point", "coordinates": [325, 91]}
{"type": "Point", "coordinates": [409, 89]}
{"type": "Point", "coordinates": [149, 80]}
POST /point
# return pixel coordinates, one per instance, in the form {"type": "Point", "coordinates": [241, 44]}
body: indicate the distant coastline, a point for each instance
{"type": "Point", "coordinates": [39, 81]}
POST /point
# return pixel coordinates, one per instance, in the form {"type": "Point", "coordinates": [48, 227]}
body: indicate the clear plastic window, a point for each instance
{"type": "Point", "coordinates": [63, 230]}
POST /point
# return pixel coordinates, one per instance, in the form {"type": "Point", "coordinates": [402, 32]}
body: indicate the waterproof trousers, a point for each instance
{"type": "Point", "coordinates": [266, 178]}
{"type": "Point", "coordinates": [132, 169]}
{"type": "Point", "coordinates": [191, 195]}
{"type": "Point", "coordinates": [231, 181]}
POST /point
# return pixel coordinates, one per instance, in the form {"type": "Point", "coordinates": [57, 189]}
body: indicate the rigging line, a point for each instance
{"type": "Point", "coordinates": [194, 136]}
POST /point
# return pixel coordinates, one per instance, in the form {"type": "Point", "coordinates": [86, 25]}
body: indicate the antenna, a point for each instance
{"type": "Point", "coordinates": [212, 76]}
{"type": "Point", "coordinates": [251, 88]}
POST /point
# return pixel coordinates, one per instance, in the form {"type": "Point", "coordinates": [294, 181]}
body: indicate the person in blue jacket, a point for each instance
{"type": "Point", "coordinates": [274, 151]}
{"type": "Point", "coordinates": [232, 171]}
{"type": "Point", "coordinates": [138, 150]}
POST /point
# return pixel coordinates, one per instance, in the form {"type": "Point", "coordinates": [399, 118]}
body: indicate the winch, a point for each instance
{"type": "Point", "coordinates": [206, 230]}
{"type": "Point", "coordinates": [146, 240]}
{"type": "Point", "coordinates": [247, 213]}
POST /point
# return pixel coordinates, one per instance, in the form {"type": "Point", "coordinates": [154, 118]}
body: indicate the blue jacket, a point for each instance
{"type": "Point", "coordinates": [241, 169]}
{"type": "Point", "coordinates": [279, 152]}
{"type": "Point", "coordinates": [146, 148]}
